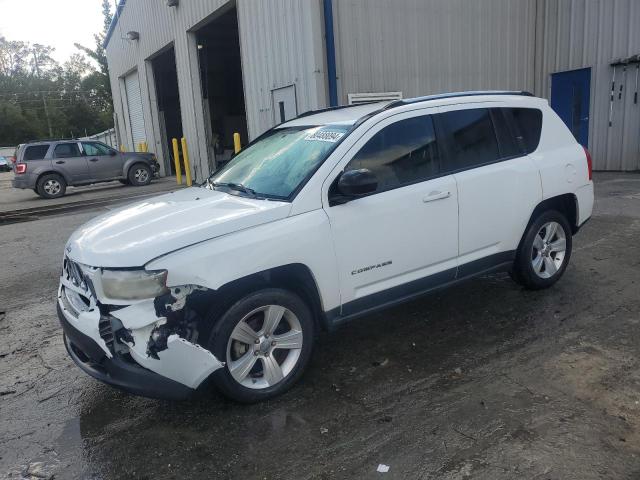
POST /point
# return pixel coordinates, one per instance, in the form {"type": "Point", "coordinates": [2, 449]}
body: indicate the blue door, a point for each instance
{"type": "Point", "coordinates": [570, 98]}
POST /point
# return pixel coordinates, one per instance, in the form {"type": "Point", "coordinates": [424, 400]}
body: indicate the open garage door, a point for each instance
{"type": "Point", "coordinates": [222, 87]}
{"type": "Point", "coordinates": [134, 103]}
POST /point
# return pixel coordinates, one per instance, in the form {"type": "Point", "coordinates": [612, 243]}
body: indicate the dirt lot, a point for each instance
{"type": "Point", "coordinates": [484, 381]}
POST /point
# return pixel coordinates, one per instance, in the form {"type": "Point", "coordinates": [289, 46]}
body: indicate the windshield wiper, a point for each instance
{"type": "Point", "coordinates": [235, 186]}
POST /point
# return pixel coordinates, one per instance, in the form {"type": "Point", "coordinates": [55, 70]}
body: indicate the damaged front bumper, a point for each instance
{"type": "Point", "coordinates": [137, 348]}
{"type": "Point", "coordinates": [116, 371]}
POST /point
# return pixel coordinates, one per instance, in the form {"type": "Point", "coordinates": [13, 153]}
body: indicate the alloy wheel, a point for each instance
{"type": "Point", "coordinates": [548, 251]}
{"type": "Point", "coordinates": [141, 175]}
{"type": "Point", "coordinates": [52, 187]}
{"type": "Point", "coordinates": [264, 347]}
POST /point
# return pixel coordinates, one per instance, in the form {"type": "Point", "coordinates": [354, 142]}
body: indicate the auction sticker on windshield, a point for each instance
{"type": "Point", "coordinates": [325, 136]}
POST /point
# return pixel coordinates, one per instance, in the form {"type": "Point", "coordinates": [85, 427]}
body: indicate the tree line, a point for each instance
{"type": "Point", "coordinates": [41, 98]}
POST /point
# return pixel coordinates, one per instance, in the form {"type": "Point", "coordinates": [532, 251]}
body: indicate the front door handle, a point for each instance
{"type": "Point", "coordinates": [433, 196]}
{"type": "Point", "coordinates": [59, 162]}
{"type": "Point", "coordinates": [94, 160]}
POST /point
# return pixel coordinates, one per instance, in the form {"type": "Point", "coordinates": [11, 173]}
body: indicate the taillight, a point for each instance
{"type": "Point", "coordinates": [21, 167]}
{"type": "Point", "coordinates": [589, 163]}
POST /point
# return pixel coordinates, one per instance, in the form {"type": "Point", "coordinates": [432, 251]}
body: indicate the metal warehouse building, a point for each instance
{"type": "Point", "coordinates": [204, 69]}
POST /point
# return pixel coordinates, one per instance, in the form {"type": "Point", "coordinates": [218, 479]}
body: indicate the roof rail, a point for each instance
{"type": "Point", "coordinates": [409, 101]}
{"type": "Point", "coordinates": [328, 109]}
{"type": "Point", "coordinates": [50, 140]}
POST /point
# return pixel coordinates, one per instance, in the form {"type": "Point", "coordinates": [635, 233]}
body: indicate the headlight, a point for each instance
{"type": "Point", "coordinates": [134, 284]}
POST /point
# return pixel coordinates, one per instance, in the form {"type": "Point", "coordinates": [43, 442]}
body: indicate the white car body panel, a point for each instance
{"type": "Point", "coordinates": [134, 235]}
{"type": "Point", "coordinates": [301, 239]}
{"type": "Point", "coordinates": [207, 239]}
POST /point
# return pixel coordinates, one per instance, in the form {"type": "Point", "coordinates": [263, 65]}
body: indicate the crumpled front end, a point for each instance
{"type": "Point", "coordinates": [148, 347]}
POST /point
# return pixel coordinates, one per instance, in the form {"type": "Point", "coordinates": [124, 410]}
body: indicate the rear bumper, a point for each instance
{"type": "Point", "coordinates": [117, 371]}
{"type": "Point", "coordinates": [23, 181]}
{"type": "Point", "coordinates": [585, 198]}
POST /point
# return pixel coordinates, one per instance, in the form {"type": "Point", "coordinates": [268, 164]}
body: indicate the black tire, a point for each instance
{"type": "Point", "coordinates": [139, 175]}
{"type": "Point", "coordinates": [51, 185]}
{"type": "Point", "coordinates": [550, 266]}
{"type": "Point", "coordinates": [220, 345]}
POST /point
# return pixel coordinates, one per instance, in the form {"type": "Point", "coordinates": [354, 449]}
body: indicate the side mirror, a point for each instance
{"type": "Point", "coordinates": [113, 153]}
{"type": "Point", "coordinates": [355, 183]}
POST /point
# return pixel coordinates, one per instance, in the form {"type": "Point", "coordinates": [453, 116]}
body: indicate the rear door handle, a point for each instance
{"type": "Point", "coordinates": [59, 162]}
{"type": "Point", "coordinates": [94, 160]}
{"type": "Point", "coordinates": [433, 196]}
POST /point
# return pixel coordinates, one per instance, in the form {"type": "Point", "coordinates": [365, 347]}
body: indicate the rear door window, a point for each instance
{"type": "Point", "coordinates": [471, 139]}
{"type": "Point", "coordinates": [66, 150]}
{"type": "Point", "coordinates": [528, 126]}
{"type": "Point", "coordinates": [35, 152]}
{"type": "Point", "coordinates": [400, 154]}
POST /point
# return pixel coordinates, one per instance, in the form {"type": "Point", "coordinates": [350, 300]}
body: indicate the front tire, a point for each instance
{"type": "Point", "coordinates": [139, 175]}
{"type": "Point", "coordinates": [544, 252]}
{"type": "Point", "coordinates": [265, 339]}
{"type": "Point", "coordinates": [51, 185]}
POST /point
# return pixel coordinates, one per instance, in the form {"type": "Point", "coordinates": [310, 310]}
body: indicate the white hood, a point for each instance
{"type": "Point", "coordinates": [134, 235]}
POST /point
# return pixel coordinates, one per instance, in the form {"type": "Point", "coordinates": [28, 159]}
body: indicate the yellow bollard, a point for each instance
{"type": "Point", "coordinates": [185, 156]}
{"type": "Point", "coordinates": [236, 143]}
{"type": "Point", "coordinates": [176, 160]}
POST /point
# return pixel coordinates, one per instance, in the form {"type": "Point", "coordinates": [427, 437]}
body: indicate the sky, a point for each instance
{"type": "Point", "coordinates": [58, 23]}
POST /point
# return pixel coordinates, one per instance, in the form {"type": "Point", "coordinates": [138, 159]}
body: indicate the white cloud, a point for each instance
{"type": "Point", "coordinates": [58, 23]}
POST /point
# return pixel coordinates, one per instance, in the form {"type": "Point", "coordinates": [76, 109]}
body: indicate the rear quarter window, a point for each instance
{"type": "Point", "coordinates": [528, 127]}
{"type": "Point", "coordinates": [35, 152]}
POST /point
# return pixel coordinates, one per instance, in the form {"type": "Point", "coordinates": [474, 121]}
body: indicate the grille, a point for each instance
{"type": "Point", "coordinates": [74, 274]}
{"type": "Point", "coordinates": [106, 331]}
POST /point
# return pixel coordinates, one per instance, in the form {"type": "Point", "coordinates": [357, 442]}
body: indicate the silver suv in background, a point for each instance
{"type": "Point", "coordinates": [48, 167]}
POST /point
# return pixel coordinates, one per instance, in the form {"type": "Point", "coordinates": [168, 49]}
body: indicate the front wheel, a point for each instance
{"type": "Point", "coordinates": [544, 252]}
{"type": "Point", "coordinates": [139, 175]}
{"type": "Point", "coordinates": [266, 340]}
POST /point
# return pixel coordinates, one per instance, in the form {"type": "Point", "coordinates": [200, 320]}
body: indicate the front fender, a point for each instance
{"type": "Point", "coordinates": [301, 239]}
{"type": "Point", "coordinates": [130, 160]}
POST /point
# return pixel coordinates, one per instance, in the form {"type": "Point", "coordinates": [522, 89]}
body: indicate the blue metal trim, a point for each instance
{"type": "Point", "coordinates": [112, 27]}
{"type": "Point", "coordinates": [331, 53]}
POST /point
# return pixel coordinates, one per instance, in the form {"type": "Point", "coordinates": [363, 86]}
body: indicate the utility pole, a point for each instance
{"type": "Point", "coordinates": [36, 64]}
{"type": "Point", "coordinates": [46, 114]}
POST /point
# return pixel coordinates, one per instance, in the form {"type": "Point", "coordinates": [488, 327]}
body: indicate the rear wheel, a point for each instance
{"type": "Point", "coordinates": [266, 340]}
{"type": "Point", "coordinates": [51, 185]}
{"type": "Point", "coordinates": [139, 174]}
{"type": "Point", "coordinates": [544, 252]}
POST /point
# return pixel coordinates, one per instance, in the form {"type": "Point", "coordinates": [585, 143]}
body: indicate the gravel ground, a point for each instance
{"type": "Point", "coordinates": [483, 381]}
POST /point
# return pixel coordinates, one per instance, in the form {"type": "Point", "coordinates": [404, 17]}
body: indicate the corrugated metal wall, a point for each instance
{"type": "Point", "coordinates": [414, 46]}
{"type": "Point", "coordinates": [421, 47]}
{"type": "Point", "coordinates": [576, 34]}
{"type": "Point", "coordinates": [281, 45]}
{"type": "Point", "coordinates": [279, 42]}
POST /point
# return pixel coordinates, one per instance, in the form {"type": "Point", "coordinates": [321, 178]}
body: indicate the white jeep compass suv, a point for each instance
{"type": "Point", "coordinates": [320, 220]}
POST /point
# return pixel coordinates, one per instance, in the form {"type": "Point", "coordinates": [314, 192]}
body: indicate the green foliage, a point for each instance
{"type": "Point", "coordinates": [41, 98]}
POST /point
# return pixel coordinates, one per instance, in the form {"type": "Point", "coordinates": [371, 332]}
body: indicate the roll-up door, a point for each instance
{"type": "Point", "coordinates": [134, 101]}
